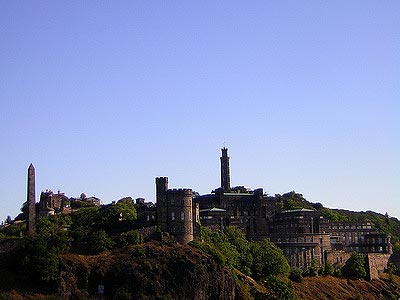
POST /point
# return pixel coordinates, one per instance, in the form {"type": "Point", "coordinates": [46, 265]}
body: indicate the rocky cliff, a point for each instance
{"type": "Point", "coordinates": [149, 271]}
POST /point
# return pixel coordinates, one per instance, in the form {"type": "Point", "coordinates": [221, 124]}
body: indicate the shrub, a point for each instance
{"type": "Point", "coordinates": [131, 237]}
{"type": "Point", "coordinates": [329, 269]}
{"type": "Point", "coordinates": [268, 260]}
{"type": "Point", "coordinates": [279, 289]}
{"type": "Point", "coordinates": [313, 270]}
{"type": "Point", "coordinates": [296, 275]}
{"type": "Point", "coordinates": [355, 267]}
{"type": "Point", "coordinates": [122, 294]}
{"type": "Point", "coordinates": [99, 241]}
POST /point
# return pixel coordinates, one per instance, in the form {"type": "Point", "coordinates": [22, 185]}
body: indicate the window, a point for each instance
{"type": "Point", "coordinates": [182, 216]}
{"type": "Point", "coordinates": [172, 216]}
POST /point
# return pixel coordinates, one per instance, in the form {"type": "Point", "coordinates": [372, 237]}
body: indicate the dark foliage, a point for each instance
{"type": "Point", "coordinates": [356, 266]}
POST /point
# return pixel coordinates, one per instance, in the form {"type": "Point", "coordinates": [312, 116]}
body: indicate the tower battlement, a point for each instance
{"type": "Point", "coordinates": [183, 192]}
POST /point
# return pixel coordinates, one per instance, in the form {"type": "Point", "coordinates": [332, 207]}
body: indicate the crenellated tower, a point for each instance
{"type": "Point", "coordinates": [175, 210]}
{"type": "Point", "coordinates": [162, 203]}
{"type": "Point", "coordinates": [225, 172]}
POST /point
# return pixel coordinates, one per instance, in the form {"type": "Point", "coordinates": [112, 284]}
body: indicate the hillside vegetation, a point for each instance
{"type": "Point", "coordinates": [72, 255]}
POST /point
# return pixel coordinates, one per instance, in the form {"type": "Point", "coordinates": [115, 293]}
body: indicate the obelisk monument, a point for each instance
{"type": "Point", "coordinates": [31, 218]}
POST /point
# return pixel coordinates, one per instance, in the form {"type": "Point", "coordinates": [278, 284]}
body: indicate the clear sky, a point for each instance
{"type": "Point", "coordinates": [104, 96]}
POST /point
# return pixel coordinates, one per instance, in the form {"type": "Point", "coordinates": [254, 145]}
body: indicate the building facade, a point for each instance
{"type": "Point", "coordinates": [176, 213]}
{"type": "Point", "coordinates": [304, 235]}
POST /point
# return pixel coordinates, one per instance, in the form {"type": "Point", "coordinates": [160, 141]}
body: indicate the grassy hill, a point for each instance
{"type": "Point", "coordinates": [332, 288]}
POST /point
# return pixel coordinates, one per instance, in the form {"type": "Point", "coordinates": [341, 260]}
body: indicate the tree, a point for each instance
{"type": "Point", "coordinates": [317, 206]}
{"type": "Point", "coordinates": [355, 267]}
{"type": "Point", "coordinates": [131, 237]}
{"type": "Point", "coordinates": [110, 215]}
{"type": "Point", "coordinates": [258, 258]}
{"type": "Point", "coordinates": [45, 228]}
{"type": "Point", "coordinates": [391, 270]}
{"type": "Point", "coordinates": [329, 269]}
{"type": "Point", "coordinates": [126, 209]}
{"type": "Point", "coordinates": [279, 289]}
{"type": "Point", "coordinates": [99, 241]}
{"type": "Point", "coordinates": [220, 240]}
{"type": "Point", "coordinates": [85, 217]}
{"type": "Point", "coordinates": [314, 267]}
{"type": "Point", "coordinates": [238, 240]}
{"type": "Point", "coordinates": [268, 259]}
{"type": "Point", "coordinates": [296, 275]}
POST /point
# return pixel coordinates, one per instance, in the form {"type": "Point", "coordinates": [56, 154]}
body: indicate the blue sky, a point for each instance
{"type": "Point", "coordinates": [102, 97]}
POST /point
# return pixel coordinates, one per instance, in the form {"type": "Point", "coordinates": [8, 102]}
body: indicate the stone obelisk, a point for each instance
{"type": "Point", "coordinates": [31, 218]}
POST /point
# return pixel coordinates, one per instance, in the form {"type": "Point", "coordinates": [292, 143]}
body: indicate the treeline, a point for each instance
{"type": "Point", "coordinates": [89, 230]}
{"type": "Point", "coordinates": [262, 260]}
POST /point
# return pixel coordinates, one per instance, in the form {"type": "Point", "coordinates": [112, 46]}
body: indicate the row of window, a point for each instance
{"type": "Point", "coordinates": [296, 240]}
{"type": "Point", "coordinates": [188, 216]}
{"type": "Point", "coordinates": [369, 249]}
{"type": "Point", "coordinates": [152, 217]}
{"type": "Point", "coordinates": [364, 226]}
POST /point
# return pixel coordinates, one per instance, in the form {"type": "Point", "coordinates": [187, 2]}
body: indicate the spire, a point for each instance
{"type": "Point", "coordinates": [225, 172]}
{"type": "Point", "coordinates": [31, 217]}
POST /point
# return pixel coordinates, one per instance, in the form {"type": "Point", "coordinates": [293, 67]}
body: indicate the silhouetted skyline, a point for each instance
{"type": "Point", "coordinates": [104, 97]}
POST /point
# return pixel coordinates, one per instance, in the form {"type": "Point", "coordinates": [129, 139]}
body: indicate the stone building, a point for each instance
{"type": "Point", "coordinates": [176, 213]}
{"type": "Point", "coordinates": [303, 235]}
{"type": "Point", "coordinates": [51, 203]}
{"type": "Point", "coordinates": [346, 235]}
{"type": "Point", "coordinates": [55, 203]}
{"type": "Point", "coordinates": [298, 233]}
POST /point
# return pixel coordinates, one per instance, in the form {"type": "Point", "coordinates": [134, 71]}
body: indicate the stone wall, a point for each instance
{"type": "Point", "coordinates": [150, 233]}
{"type": "Point", "coordinates": [377, 264]}
{"type": "Point", "coordinates": [337, 258]}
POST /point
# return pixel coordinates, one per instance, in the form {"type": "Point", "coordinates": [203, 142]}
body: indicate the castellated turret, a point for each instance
{"type": "Point", "coordinates": [175, 210]}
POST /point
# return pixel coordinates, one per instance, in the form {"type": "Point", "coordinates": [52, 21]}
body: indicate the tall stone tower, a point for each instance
{"type": "Point", "coordinates": [225, 173]}
{"type": "Point", "coordinates": [31, 225]}
{"type": "Point", "coordinates": [175, 210]}
{"type": "Point", "coordinates": [162, 203]}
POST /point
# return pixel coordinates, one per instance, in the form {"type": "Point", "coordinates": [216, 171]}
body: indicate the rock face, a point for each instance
{"type": "Point", "coordinates": [149, 271]}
